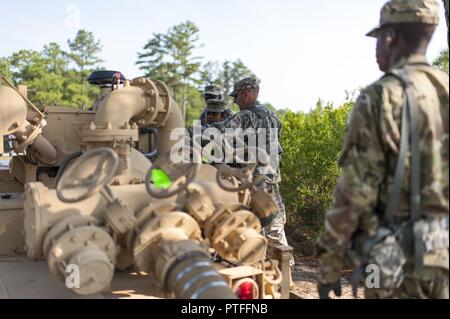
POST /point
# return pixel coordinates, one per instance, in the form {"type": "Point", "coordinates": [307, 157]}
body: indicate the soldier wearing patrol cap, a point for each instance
{"type": "Point", "coordinates": [255, 116]}
{"type": "Point", "coordinates": [216, 110]}
{"type": "Point", "coordinates": [213, 92]}
{"type": "Point", "coordinates": [389, 215]}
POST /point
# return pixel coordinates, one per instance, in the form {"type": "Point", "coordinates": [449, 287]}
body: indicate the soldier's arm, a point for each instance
{"type": "Point", "coordinates": [238, 120]}
{"type": "Point", "coordinates": [234, 121]}
{"type": "Point", "coordinates": [355, 196]}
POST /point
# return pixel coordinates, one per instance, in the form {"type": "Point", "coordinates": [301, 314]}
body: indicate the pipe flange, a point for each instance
{"type": "Point", "coordinates": [199, 205]}
{"type": "Point", "coordinates": [148, 117]}
{"type": "Point", "coordinates": [224, 210]}
{"type": "Point", "coordinates": [36, 131]}
{"type": "Point", "coordinates": [63, 226]}
{"type": "Point", "coordinates": [95, 270]}
{"type": "Point", "coordinates": [166, 101]}
{"type": "Point", "coordinates": [144, 216]}
{"type": "Point", "coordinates": [80, 238]}
{"type": "Point", "coordinates": [250, 246]}
{"type": "Point", "coordinates": [240, 218]}
{"type": "Point", "coordinates": [173, 226]}
{"type": "Point", "coordinates": [235, 236]}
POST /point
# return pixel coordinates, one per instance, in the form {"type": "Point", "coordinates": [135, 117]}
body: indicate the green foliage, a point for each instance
{"type": "Point", "coordinates": [5, 68]}
{"type": "Point", "coordinates": [56, 77]}
{"type": "Point", "coordinates": [226, 74]}
{"type": "Point", "coordinates": [195, 106]}
{"type": "Point", "coordinates": [311, 144]}
{"type": "Point", "coordinates": [170, 58]}
{"type": "Point", "coordinates": [42, 72]}
{"type": "Point", "coordinates": [442, 61]}
{"type": "Point", "coordinates": [83, 54]}
{"type": "Point", "coordinates": [84, 50]}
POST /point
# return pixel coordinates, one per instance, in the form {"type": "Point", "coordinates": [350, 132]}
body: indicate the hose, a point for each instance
{"type": "Point", "coordinates": [188, 273]}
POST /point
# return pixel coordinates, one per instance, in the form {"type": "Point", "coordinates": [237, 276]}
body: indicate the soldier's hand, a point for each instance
{"type": "Point", "coordinates": [325, 289]}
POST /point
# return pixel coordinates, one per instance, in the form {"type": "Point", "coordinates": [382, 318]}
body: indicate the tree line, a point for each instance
{"type": "Point", "coordinates": [58, 77]}
{"type": "Point", "coordinates": [55, 76]}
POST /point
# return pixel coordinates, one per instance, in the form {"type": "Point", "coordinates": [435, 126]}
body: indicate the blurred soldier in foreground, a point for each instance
{"type": "Point", "coordinates": [389, 215]}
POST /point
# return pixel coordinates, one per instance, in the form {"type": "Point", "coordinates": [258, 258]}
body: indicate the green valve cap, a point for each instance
{"type": "Point", "coordinates": [160, 179]}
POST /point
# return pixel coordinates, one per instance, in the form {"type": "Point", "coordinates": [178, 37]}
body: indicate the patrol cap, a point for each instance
{"type": "Point", "coordinates": [213, 92]}
{"type": "Point", "coordinates": [217, 106]}
{"type": "Point", "coordinates": [408, 11]}
{"type": "Point", "coordinates": [213, 89]}
{"type": "Point", "coordinates": [245, 84]}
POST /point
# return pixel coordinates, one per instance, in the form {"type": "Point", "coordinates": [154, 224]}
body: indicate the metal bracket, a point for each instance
{"type": "Point", "coordinates": [283, 254]}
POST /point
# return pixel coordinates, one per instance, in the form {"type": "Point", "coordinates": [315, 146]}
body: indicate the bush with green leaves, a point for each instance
{"type": "Point", "coordinates": [311, 145]}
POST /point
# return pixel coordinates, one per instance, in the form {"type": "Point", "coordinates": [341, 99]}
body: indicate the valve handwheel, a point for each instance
{"type": "Point", "coordinates": [158, 182]}
{"type": "Point", "coordinates": [87, 175]}
{"type": "Point", "coordinates": [244, 175]}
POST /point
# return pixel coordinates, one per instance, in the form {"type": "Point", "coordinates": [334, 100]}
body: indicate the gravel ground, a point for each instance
{"type": "Point", "coordinates": [305, 281]}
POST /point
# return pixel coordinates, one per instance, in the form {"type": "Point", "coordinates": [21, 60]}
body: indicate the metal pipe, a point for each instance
{"type": "Point", "coordinates": [129, 102]}
{"type": "Point", "coordinates": [13, 111]}
{"type": "Point", "coordinates": [120, 106]}
{"type": "Point", "coordinates": [163, 142]}
{"type": "Point", "coordinates": [45, 152]}
{"type": "Point", "coordinates": [186, 270]}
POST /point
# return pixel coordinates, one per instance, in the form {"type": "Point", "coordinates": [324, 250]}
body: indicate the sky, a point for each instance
{"type": "Point", "coordinates": [302, 50]}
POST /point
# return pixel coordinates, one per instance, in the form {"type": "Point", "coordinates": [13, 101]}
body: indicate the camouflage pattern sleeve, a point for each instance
{"type": "Point", "coordinates": [239, 120]}
{"type": "Point", "coordinates": [355, 196]}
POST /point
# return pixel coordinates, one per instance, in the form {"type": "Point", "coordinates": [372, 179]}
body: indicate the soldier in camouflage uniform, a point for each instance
{"type": "Point", "coordinates": [216, 110]}
{"type": "Point", "coordinates": [379, 217]}
{"type": "Point", "coordinates": [254, 116]}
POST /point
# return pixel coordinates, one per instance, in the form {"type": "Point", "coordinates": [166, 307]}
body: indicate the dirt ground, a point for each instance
{"type": "Point", "coordinates": [305, 281]}
{"type": "Point", "coordinates": [305, 272]}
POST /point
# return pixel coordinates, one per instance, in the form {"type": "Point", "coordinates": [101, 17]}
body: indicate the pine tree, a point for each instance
{"type": "Point", "coordinates": [83, 54]}
{"type": "Point", "coordinates": [170, 58]}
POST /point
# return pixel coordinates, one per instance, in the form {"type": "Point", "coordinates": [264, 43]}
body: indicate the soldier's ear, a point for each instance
{"type": "Point", "coordinates": [391, 37]}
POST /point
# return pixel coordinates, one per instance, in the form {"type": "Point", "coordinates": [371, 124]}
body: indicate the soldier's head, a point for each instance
{"type": "Point", "coordinates": [213, 92]}
{"type": "Point", "coordinates": [245, 92]}
{"type": "Point", "coordinates": [406, 27]}
{"type": "Point", "coordinates": [215, 111]}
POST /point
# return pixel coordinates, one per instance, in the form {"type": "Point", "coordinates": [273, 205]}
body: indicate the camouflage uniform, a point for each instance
{"type": "Point", "coordinates": [368, 163]}
{"type": "Point", "coordinates": [213, 92]}
{"type": "Point", "coordinates": [257, 116]}
{"type": "Point", "coordinates": [215, 102]}
{"type": "Point", "coordinates": [218, 106]}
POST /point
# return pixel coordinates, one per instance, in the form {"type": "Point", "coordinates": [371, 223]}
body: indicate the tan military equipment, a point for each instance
{"type": "Point", "coordinates": [78, 196]}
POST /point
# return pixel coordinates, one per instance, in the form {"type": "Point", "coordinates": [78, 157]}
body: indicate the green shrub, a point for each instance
{"type": "Point", "coordinates": [311, 144]}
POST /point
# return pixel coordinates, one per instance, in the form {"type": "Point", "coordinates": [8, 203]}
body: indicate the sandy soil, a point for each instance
{"type": "Point", "coordinates": [305, 281]}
